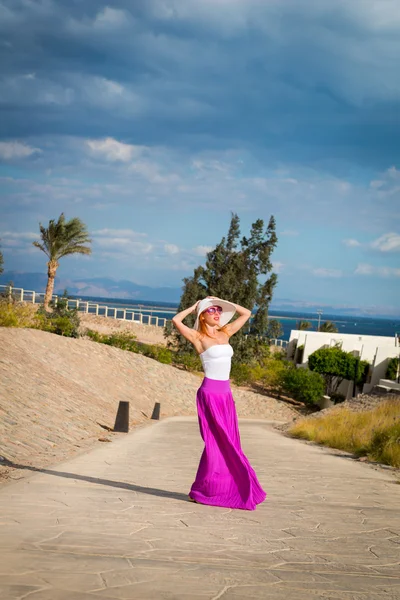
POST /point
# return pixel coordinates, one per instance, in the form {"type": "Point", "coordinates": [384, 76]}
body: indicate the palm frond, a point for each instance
{"type": "Point", "coordinates": [62, 238]}
{"type": "Point", "coordinates": [76, 250]}
{"type": "Point", "coordinates": [41, 247]}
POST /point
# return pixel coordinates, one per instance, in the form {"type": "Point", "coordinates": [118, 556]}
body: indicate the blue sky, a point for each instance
{"type": "Point", "coordinates": [152, 120]}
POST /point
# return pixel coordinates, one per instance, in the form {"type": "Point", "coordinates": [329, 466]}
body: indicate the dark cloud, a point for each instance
{"type": "Point", "coordinates": [292, 81]}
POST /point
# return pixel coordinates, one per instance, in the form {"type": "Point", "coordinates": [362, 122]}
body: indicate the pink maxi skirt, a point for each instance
{"type": "Point", "coordinates": [224, 476]}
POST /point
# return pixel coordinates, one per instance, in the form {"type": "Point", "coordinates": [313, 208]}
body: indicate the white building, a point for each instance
{"type": "Point", "coordinates": [375, 349]}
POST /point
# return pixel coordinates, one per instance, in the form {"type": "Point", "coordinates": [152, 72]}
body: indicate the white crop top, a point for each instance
{"type": "Point", "coordinates": [216, 361]}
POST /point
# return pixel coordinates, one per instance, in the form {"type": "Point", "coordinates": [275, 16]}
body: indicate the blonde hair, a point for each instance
{"type": "Point", "coordinates": [203, 327]}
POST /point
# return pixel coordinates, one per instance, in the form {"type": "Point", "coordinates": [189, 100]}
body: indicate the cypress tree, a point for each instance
{"type": "Point", "coordinates": [232, 272]}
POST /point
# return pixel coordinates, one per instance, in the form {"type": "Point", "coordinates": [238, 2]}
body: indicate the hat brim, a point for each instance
{"type": "Point", "coordinates": [228, 310]}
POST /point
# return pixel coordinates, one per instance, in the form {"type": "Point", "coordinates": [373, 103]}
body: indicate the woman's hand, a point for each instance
{"type": "Point", "coordinates": [195, 305]}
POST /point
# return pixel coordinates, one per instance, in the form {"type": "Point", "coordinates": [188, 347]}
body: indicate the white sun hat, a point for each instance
{"type": "Point", "coordinates": [228, 310]}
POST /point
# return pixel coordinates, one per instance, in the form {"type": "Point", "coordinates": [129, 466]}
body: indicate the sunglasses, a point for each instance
{"type": "Point", "coordinates": [213, 309]}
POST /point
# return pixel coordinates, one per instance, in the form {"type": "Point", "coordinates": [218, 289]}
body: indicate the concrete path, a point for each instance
{"type": "Point", "coordinates": [116, 523]}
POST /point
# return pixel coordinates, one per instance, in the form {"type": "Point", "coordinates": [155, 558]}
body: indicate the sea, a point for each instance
{"type": "Point", "coordinates": [363, 325]}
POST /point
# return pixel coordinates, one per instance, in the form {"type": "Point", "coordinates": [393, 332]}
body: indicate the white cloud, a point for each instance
{"type": "Point", "coordinates": [151, 172]}
{"type": "Point", "coordinates": [114, 151]}
{"type": "Point", "coordinates": [351, 243]}
{"type": "Point", "coordinates": [202, 250]}
{"type": "Point", "coordinates": [125, 245]}
{"type": "Point", "coordinates": [388, 184]}
{"type": "Point", "coordinates": [23, 239]}
{"type": "Point", "coordinates": [277, 266]}
{"type": "Point", "coordinates": [23, 235]}
{"type": "Point", "coordinates": [119, 232]}
{"type": "Point", "coordinates": [110, 17]}
{"type": "Point", "coordinates": [171, 249]}
{"type": "Point", "coordinates": [366, 269]}
{"type": "Point", "coordinates": [389, 242]}
{"type": "Point", "coordinates": [289, 232]}
{"type": "Point", "coordinates": [322, 272]}
{"type": "Point", "coordinates": [122, 242]}
{"type": "Point", "coordinates": [9, 150]}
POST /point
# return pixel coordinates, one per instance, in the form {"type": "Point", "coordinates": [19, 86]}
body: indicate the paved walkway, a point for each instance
{"type": "Point", "coordinates": [115, 523]}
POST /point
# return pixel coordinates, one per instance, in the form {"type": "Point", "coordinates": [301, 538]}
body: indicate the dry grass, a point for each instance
{"type": "Point", "coordinates": [373, 433]}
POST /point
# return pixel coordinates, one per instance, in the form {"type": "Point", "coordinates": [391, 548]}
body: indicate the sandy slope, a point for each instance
{"type": "Point", "coordinates": [55, 393]}
{"type": "Point", "coordinates": [149, 334]}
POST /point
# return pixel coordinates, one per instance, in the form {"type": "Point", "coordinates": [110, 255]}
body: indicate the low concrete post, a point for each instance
{"type": "Point", "coordinates": [156, 411]}
{"type": "Point", "coordinates": [325, 402]}
{"type": "Point", "coordinates": [122, 418]}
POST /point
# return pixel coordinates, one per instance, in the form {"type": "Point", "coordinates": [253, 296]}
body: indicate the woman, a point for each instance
{"type": "Point", "coordinates": [224, 477]}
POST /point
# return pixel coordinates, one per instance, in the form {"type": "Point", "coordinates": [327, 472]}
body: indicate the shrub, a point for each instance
{"type": "Point", "coordinates": [241, 374]}
{"type": "Point", "coordinates": [95, 336]}
{"type": "Point", "coordinates": [61, 320]}
{"type": "Point", "coordinates": [392, 369]}
{"type": "Point", "coordinates": [159, 353]}
{"type": "Point", "coordinates": [14, 314]}
{"type": "Point", "coordinates": [336, 365]}
{"type": "Point", "coordinates": [303, 385]}
{"type": "Point", "coordinates": [164, 355]}
{"type": "Point", "coordinates": [272, 373]}
{"type": "Point", "coordinates": [123, 340]}
{"type": "Point", "coordinates": [188, 360]}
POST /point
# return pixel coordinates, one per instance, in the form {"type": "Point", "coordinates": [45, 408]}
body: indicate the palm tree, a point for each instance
{"type": "Point", "coordinates": [329, 327]}
{"type": "Point", "coordinates": [303, 325]}
{"type": "Point", "coordinates": [60, 239]}
{"type": "Point", "coordinates": [1, 262]}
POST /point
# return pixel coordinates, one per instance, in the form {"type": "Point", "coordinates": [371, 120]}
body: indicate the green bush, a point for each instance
{"type": "Point", "coordinates": [159, 353]}
{"type": "Point", "coordinates": [392, 369]}
{"type": "Point", "coordinates": [127, 341]}
{"type": "Point", "coordinates": [95, 336]}
{"type": "Point", "coordinates": [241, 374]}
{"type": "Point", "coordinates": [336, 365]}
{"type": "Point", "coordinates": [61, 320]}
{"type": "Point", "coordinates": [8, 315]}
{"type": "Point", "coordinates": [164, 355]}
{"type": "Point", "coordinates": [123, 340]}
{"type": "Point", "coordinates": [60, 325]}
{"type": "Point", "coordinates": [189, 361]}
{"type": "Point", "coordinates": [272, 371]}
{"type": "Point", "coordinates": [304, 385]}
{"type": "Point", "coordinates": [15, 314]}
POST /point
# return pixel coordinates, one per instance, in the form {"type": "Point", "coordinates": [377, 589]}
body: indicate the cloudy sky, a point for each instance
{"type": "Point", "coordinates": [153, 120]}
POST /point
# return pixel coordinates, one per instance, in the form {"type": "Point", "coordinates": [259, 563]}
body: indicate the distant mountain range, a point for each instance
{"type": "Point", "coordinates": [104, 287]}
{"type": "Point", "coordinates": [98, 287]}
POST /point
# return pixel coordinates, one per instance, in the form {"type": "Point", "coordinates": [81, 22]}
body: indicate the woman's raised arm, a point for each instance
{"type": "Point", "coordinates": [190, 334]}
{"type": "Point", "coordinates": [244, 316]}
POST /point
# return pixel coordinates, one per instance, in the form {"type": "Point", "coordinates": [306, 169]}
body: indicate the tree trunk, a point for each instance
{"type": "Point", "coordinates": [52, 267]}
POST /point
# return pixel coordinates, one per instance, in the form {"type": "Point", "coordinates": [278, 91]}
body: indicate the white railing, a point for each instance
{"type": "Point", "coordinates": [278, 342]}
{"type": "Point", "coordinates": [102, 310]}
